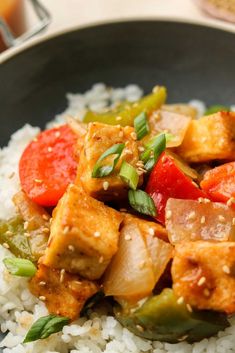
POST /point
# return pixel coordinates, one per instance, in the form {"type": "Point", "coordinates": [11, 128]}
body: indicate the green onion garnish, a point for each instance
{"type": "Point", "coordinates": [20, 267]}
{"type": "Point", "coordinates": [99, 170]}
{"type": "Point", "coordinates": [129, 174]}
{"type": "Point", "coordinates": [154, 148]}
{"type": "Point", "coordinates": [45, 326]}
{"type": "Point", "coordinates": [142, 202]}
{"type": "Point", "coordinates": [215, 109]}
{"type": "Point", "coordinates": [141, 125]}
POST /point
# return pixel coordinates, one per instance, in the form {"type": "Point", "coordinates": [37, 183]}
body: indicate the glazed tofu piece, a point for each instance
{"type": "Point", "coordinates": [84, 235]}
{"type": "Point", "coordinates": [203, 275]}
{"type": "Point", "coordinates": [209, 138]}
{"type": "Point", "coordinates": [99, 138]}
{"type": "Point", "coordinates": [64, 294]}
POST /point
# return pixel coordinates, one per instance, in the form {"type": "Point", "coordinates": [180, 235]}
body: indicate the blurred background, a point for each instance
{"type": "Point", "coordinates": [64, 14]}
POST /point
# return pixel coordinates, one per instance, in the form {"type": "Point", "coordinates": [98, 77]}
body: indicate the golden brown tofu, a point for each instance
{"type": "Point", "coordinates": [84, 234]}
{"type": "Point", "coordinates": [64, 294]}
{"type": "Point", "coordinates": [209, 138]}
{"type": "Point", "coordinates": [99, 138]}
{"type": "Point", "coordinates": [203, 275]}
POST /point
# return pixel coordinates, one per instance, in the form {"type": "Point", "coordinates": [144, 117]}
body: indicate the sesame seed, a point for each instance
{"type": "Point", "coordinates": [121, 134]}
{"type": "Point", "coordinates": [127, 151]}
{"type": "Point", "coordinates": [140, 164]}
{"type": "Point", "coordinates": [38, 181]}
{"type": "Point", "coordinates": [142, 265]}
{"type": "Point", "coordinates": [156, 89]}
{"type": "Point", "coordinates": [45, 217]}
{"type": "Point", "coordinates": [189, 308]}
{"type": "Point", "coordinates": [9, 233]}
{"type": "Point", "coordinates": [221, 218]}
{"type": "Point", "coordinates": [200, 199]}
{"type": "Point", "coordinates": [195, 184]}
{"type": "Point", "coordinates": [141, 170]}
{"type": "Point", "coordinates": [97, 234]}
{"type": "Point", "coordinates": [205, 200]}
{"type": "Point", "coordinates": [66, 229]}
{"type": "Point", "coordinates": [168, 214]}
{"type": "Point", "coordinates": [62, 272]}
{"type": "Point", "coordinates": [180, 300]}
{"type": "Point", "coordinates": [191, 215]}
{"type": "Point", "coordinates": [182, 338]}
{"type": "Point", "coordinates": [105, 185]}
{"type": "Point", "coordinates": [42, 298]}
{"type": "Point", "coordinates": [231, 201]}
{"type": "Point", "coordinates": [118, 118]}
{"type": "Point", "coordinates": [163, 159]}
{"type": "Point", "coordinates": [140, 328]}
{"type": "Point", "coordinates": [42, 283]}
{"type": "Point", "coordinates": [141, 148]}
{"type": "Point", "coordinates": [50, 220]}
{"type": "Point", "coordinates": [206, 292]}
{"type": "Point", "coordinates": [151, 231]}
{"type": "Point", "coordinates": [27, 234]}
{"type": "Point", "coordinates": [233, 221]}
{"type": "Point", "coordinates": [127, 237]}
{"type": "Point", "coordinates": [35, 139]}
{"type": "Point", "coordinates": [133, 136]}
{"type": "Point", "coordinates": [26, 224]}
{"type": "Point", "coordinates": [203, 219]}
{"type": "Point", "coordinates": [57, 134]}
{"type": "Point", "coordinates": [226, 269]}
{"type": "Point", "coordinates": [101, 259]}
{"type": "Point", "coordinates": [46, 230]}
{"type": "Point", "coordinates": [71, 247]}
{"type": "Point", "coordinates": [201, 281]}
{"type": "Point", "coordinates": [49, 149]}
{"type": "Point", "coordinates": [123, 210]}
{"type": "Point", "coordinates": [11, 175]}
{"type": "Point", "coordinates": [6, 245]}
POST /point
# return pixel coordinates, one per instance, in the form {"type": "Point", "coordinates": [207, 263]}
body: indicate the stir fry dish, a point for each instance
{"type": "Point", "coordinates": [133, 208]}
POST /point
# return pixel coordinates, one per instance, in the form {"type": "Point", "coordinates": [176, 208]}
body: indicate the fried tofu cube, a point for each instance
{"type": "Point", "coordinates": [99, 138]}
{"type": "Point", "coordinates": [209, 138]}
{"type": "Point", "coordinates": [63, 293]}
{"type": "Point", "coordinates": [203, 275]}
{"type": "Point", "coordinates": [84, 234]}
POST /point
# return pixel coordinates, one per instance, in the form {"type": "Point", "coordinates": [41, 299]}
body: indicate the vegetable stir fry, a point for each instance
{"type": "Point", "coordinates": [134, 206]}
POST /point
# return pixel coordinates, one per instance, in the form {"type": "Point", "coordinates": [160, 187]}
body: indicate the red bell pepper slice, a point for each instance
{"type": "Point", "coordinates": [219, 182]}
{"type": "Point", "coordinates": [167, 180]}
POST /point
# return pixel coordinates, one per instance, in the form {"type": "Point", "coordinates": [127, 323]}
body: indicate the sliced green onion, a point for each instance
{"type": "Point", "coordinates": [99, 170]}
{"type": "Point", "coordinates": [129, 174]}
{"type": "Point", "coordinates": [45, 326]}
{"type": "Point", "coordinates": [154, 148]}
{"type": "Point", "coordinates": [20, 267]}
{"type": "Point", "coordinates": [215, 109]}
{"type": "Point", "coordinates": [141, 125]}
{"type": "Point", "coordinates": [142, 202]}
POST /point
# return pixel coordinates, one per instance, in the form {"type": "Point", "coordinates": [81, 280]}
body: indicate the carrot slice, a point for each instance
{"type": "Point", "coordinates": [48, 165]}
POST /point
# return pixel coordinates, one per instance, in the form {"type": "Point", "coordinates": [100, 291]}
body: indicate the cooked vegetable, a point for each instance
{"type": "Point", "coordinates": [63, 293]}
{"type": "Point", "coordinates": [129, 175]}
{"type": "Point", "coordinates": [167, 180]}
{"type": "Point", "coordinates": [46, 326]}
{"type": "Point", "coordinates": [203, 274]}
{"type": "Point", "coordinates": [141, 125]}
{"type": "Point", "coordinates": [130, 273]}
{"type": "Point", "coordinates": [173, 123]}
{"type": "Point", "coordinates": [216, 109]}
{"type": "Point", "coordinates": [209, 138]}
{"type": "Point", "coordinates": [184, 109]}
{"type": "Point", "coordinates": [125, 113]}
{"type": "Point", "coordinates": [163, 318]}
{"type": "Point", "coordinates": [192, 220]}
{"type": "Point", "coordinates": [142, 202]}
{"type": "Point", "coordinates": [99, 138]}
{"type": "Point", "coordinates": [219, 182]}
{"type": "Point", "coordinates": [36, 223]}
{"type": "Point", "coordinates": [20, 267]}
{"type": "Point", "coordinates": [84, 235]}
{"type": "Point", "coordinates": [13, 234]}
{"type": "Point", "coordinates": [48, 165]}
{"type": "Point", "coordinates": [140, 261]}
{"type": "Point", "coordinates": [153, 150]}
{"type": "Point", "coordinates": [99, 170]}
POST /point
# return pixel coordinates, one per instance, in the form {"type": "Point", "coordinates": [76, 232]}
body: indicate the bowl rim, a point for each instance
{"type": "Point", "coordinates": [14, 51]}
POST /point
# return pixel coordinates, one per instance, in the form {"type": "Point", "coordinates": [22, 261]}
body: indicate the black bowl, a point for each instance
{"type": "Point", "coordinates": [192, 61]}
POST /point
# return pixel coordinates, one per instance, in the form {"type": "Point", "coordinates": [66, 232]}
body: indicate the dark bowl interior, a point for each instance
{"type": "Point", "coordinates": [192, 61]}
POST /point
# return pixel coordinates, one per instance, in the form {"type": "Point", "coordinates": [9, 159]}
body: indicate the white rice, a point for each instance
{"type": "Point", "coordinates": [19, 309]}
